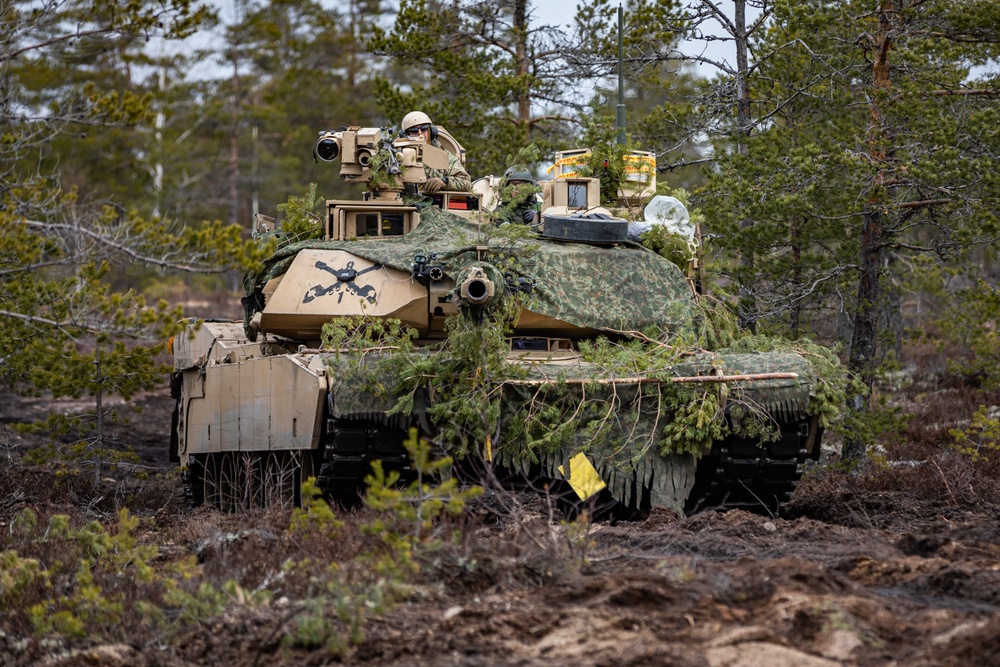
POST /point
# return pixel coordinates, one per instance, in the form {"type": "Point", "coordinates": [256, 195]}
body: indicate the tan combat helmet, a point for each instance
{"type": "Point", "coordinates": [416, 119]}
{"type": "Point", "coordinates": [439, 136]}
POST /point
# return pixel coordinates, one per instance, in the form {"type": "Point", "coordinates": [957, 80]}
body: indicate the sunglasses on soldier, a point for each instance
{"type": "Point", "coordinates": [417, 129]}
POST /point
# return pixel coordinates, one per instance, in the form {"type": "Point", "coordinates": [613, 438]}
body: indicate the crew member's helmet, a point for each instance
{"type": "Point", "coordinates": [417, 119]}
{"type": "Point", "coordinates": [515, 174]}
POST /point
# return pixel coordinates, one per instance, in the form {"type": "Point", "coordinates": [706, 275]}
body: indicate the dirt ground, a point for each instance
{"type": "Point", "coordinates": [897, 566]}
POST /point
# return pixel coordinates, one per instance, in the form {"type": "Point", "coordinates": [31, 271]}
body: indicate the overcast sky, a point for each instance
{"type": "Point", "coordinates": [554, 12]}
{"type": "Point", "coordinates": [561, 12]}
{"type": "Point", "coordinates": [544, 12]}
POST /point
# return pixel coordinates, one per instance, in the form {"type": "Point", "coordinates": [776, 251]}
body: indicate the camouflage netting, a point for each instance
{"type": "Point", "coordinates": [621, 288]}
{"type": "Point", "coordinates": [617, 425]}
{"type": "Point", "coordinates": [627, 456]}
{"type": "Point", "coordinates": [618, 421]}
{"type": "Point", "coordinates": [784, 399]}
{"type": "Point", "coordinates": [551, 411]}
{"type": "Point", "coordinates": [669, 479]}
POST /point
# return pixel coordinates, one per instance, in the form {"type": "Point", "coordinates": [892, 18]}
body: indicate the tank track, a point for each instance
{"type": "Point", "coordinates": [738, 472]}
{"type": "Point", "coordinates": [747, 474]}
{"type": "Point", "coordinates": [191, 481]}
{"type": "Point", "coordinates": [349, 448]}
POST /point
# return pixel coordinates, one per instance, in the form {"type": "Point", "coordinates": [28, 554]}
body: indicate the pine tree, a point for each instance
{"type": "Point", "coordinates": [63, 329]}
{"type": "Point", "coordinates": [660, 93]}
{"type": "Point", "coordinates": [883, 145]}
{"type": "Point", "coordinates": [482, 71]}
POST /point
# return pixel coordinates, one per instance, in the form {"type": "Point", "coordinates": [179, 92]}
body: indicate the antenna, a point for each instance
{"type": "Point", "coordinates": [620, 109]}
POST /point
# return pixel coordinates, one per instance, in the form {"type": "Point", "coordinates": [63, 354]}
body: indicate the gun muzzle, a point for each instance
{"type": "Point", "coordinates": [477, 289]}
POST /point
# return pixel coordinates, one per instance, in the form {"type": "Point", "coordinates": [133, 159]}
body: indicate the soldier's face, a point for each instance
{"type": "Point", "coordinates": [520, 188]}
{"type": "Point", "coordinates": [419, 132]}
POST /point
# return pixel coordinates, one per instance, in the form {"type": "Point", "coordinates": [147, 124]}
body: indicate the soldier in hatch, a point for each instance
{"type": "Point", "coordinates": [519, 196]}
{"type": "Point", "coordinates": [418, 125]}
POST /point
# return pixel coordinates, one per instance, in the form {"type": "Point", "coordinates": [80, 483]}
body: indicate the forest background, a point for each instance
{"type": "Point", "coordinates": [842, 158]}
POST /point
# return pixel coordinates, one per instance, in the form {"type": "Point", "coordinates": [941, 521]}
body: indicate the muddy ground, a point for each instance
{"type": "Point", "coordinates": [899, 565]}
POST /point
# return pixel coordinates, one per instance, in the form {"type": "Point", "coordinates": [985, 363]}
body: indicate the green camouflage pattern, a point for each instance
{"type": "Point", "coordinates": [457, 177]}
{"type": "Point", "coordinates": [619, 421]}
{"type": "Point", "coordinates": [785, 399]}
{"type": "Point", "coordinates": [627, 454]}
{"type": "Point", "coordinates": [621, 288]}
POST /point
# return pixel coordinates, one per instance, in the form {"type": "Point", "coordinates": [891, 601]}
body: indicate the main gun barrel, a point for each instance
{"type": "Point", "coordinates": [480, 285]}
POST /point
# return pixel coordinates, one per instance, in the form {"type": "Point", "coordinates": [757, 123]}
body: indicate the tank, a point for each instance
{"type": "Point", "coordinates": [264, 403]}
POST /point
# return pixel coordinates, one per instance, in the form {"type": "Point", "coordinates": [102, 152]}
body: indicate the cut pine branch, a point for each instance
{"type": "Point", "coordinates": [676, 380]}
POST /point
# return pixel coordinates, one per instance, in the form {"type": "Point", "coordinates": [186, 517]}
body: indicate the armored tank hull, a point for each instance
{"type": "Point", "coordinates": [262, 404]}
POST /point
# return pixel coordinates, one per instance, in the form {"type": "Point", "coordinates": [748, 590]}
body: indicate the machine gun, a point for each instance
{"type": "Point", "coordinates": [372, 155]}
